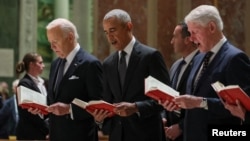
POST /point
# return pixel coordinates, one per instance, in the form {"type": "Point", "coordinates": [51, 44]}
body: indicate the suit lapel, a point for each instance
{"type": "Point", "coordinates": [72, 67]}
{"type": "Point", "coordinates": [219, 56]}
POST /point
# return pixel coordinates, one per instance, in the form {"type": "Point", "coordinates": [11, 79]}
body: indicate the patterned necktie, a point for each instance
{"type": "Point", "coordinates": [177, 72]}
{"type": "Point", "coordinates": [60, 74]}
{"type": "Point", "coordinates": [122, 67]}
{"type": "Point", "coordinates": [204, 67]}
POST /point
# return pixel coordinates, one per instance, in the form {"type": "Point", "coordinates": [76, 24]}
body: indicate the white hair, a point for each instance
{"type": "Point", "coordinates": [204, 14]}
{"type": "Point", "coordinates": [65, 25]}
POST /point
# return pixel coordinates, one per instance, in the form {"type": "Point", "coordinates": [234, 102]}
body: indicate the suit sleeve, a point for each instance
{"type": "Point", "coordinates": [157, 69]}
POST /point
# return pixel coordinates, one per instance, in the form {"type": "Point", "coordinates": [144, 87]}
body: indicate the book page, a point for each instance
{"type": "Point", "coordinates": [153, 84]}
{"type": "Point", "coordinates": [80, 103]}
{"type": "Point", "coordinates": [26, 95]}
{"type": "Point", "coordinates": [218, 86]}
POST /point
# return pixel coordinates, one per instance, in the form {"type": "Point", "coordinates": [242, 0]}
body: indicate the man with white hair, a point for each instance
{"type": "Point", "coordinates": [220, 61]}
{"type": "Point", "coordinates": [74, 74]}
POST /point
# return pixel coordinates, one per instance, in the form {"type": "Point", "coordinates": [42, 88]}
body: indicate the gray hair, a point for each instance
{"type": "Point", "coordinates": [204, 14]}
{"type": "Point", "coordinates": [122, 15]}
{"type": "Point", "coordinates": [65, 25]}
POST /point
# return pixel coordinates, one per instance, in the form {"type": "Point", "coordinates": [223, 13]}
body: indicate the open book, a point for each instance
{"type": "Point", "coordinates": [28, 98]}
{"type": "Point", "coordinates": [95, 105]}
{"type": "Point", "coordinates": [231, 93]}
{"type": "Point", "coordinates": [158, 90]}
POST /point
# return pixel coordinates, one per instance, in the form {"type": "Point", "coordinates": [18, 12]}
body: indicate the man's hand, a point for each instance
{"type": "Point", "coordinates": [236, 110]}
{"type": "Point", "coordinates": [59, 108]}
{"type": "Point", "coordinates": [100, 115]}
{"type": "Point", "coordinates": [188, 101]}
{"type": "Point", "coordinates": [125, 109]}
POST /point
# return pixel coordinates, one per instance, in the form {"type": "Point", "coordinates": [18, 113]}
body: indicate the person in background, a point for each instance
{"type": "Point", "coordinates": [138, 117]}
{"type": "Point", "coordinates": [218, 60]}
{"type": "Point", "coordinates": [81, 77]}
{"type": "Point", "coordinates": [4, 93]}
{"type": "Point", "coordinates": [9, 115]}
{"type": "Point", "coordinates": [1, 102]}
{"type": "Point", "coordinates": [179, 73]}
{"type": "Point", "coordinates": [30, 126]}
{"type": "Point", "coordinates": [4, 85]}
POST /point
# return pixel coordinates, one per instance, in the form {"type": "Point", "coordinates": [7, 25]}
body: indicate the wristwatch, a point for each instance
{"type": "Point", "coordinates": [203, 103]}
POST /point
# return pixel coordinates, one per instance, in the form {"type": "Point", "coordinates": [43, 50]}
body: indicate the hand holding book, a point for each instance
{"type": "Point", "coordinates": [27, 98]}
{"type": "Point", "coordinates": [159, 91]}
{"type": "Point", "coordinates": [231, 93]}
{"type": "Point", "coordinates": [93, 105]}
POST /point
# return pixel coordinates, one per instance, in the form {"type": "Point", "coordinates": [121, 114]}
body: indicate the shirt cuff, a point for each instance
{"type": "Point", "coordinates": [70, 112]}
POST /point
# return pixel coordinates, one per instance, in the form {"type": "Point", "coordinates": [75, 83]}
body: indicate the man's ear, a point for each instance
{"type": "Point", "coordinates": [212, 26]}
{"type": "Point", "coordinates": [130, 26]}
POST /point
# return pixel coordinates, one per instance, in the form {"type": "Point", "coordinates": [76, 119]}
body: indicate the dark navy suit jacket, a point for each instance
{"type": "Point", "coordinates": [82, 80]}
{"type": "Point", "coordinates": [229, 66]}
{"type": "Point", "coordinates": [147, 126]}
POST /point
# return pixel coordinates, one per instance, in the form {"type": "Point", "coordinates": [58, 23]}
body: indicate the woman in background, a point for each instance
{"type": "Point", "coordinates": [31, 126]}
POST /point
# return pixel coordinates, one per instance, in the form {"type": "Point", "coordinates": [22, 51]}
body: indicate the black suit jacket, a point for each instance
{"type": "Point", "coordinates": [229, 66]}
{"type": "Point", "coordinates": [30, 126]}
{"type": "Point", "coordinates": [147, 126]}
{"type": "Point", "coordinates": [82, 80]}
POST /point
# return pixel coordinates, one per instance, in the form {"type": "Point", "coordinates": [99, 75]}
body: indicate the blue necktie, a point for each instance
{"type": "Point", "coordinates": [176, 75]}
{"type": "Point", "coordinates": [59, 74]}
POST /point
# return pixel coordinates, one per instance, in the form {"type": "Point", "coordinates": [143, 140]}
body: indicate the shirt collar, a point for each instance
{"type": "Point", "coordinates": [129, 47]}
{"type": "Point", "coordinates": [72, 54]}
{"type": "Point", "coordinates": [37, 80]}
{"type": "Point", "coordinates": [190, 56]}
{"type": "Point", "coordinates": [217, 47]}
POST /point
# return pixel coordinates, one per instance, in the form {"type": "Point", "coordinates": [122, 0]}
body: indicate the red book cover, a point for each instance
{"type": "Point", "coordinates": [231, 93]}
{"type": "Point", "coordinates": [159, 95]}
{"type": "Point", "coordinates": [157, 90]}
{"type": "Point", "coordinates": [35, 106]}
{"type": "Point", "coordinates": [95, 105]}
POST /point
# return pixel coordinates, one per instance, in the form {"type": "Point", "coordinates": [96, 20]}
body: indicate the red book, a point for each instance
{"type": "Point", "coordinates": [158, 90]}
{"type": "Point", "coordinates": [27, 98]}
{"type": "Point", "coordinates": [230, 93]}
{"type": "Point", "coordinates": [95, 105]}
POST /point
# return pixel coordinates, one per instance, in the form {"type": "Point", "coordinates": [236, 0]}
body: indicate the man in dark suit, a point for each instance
{"type": "Point", "coordinates": [138, 117]}
{"type": "Point", "coordinates": [81, 78]}
{"type": "Point", "coordinates": [218, 61]}
{"type": "Point", "coordinates": [179, 73]}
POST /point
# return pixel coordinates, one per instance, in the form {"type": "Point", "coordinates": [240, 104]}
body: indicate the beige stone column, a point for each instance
{"type": "Point", "coordinates": [83, 19]}
{"type": "Point", "coordinates": [28, 27]}
{"type": "Point", "coordinates": [183, 8]}
{"type": "Point", "coordinates": [61, 9]}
